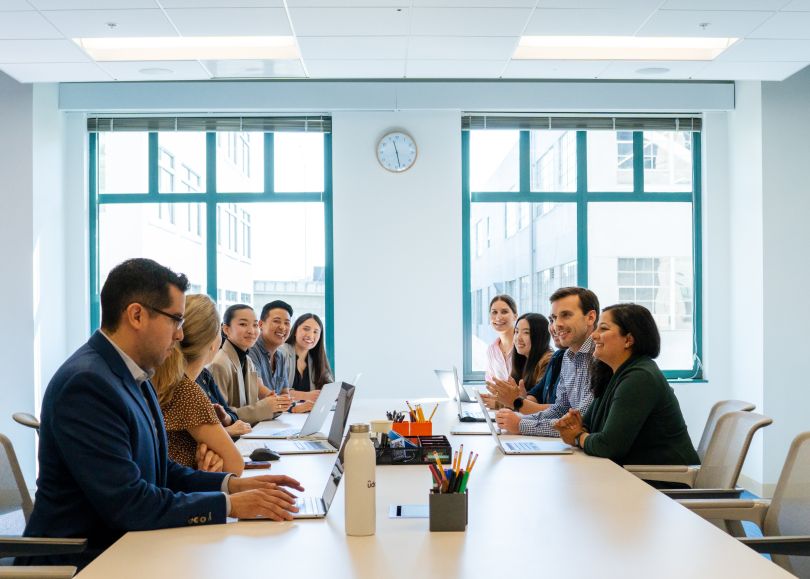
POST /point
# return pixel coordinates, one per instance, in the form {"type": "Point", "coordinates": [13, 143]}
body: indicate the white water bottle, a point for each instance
{"type": "Point", "coordinates": [360, 481]}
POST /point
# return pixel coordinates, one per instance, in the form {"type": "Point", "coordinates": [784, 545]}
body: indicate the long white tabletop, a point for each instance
{"type": "Point", "coordinates": [549, 516]}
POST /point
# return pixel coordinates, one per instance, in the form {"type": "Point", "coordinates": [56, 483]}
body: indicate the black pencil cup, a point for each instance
{"type": "Point", "coordinates": [448, 511]}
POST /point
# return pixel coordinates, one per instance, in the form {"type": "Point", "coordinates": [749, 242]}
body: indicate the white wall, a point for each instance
{"type": "Point", "coordinates": [16, 266]}
{"type": "Point", "coordinates": [397, 253]}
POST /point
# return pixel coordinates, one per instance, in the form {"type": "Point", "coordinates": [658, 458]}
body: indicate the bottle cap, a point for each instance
{"type": "Point", "coordinates": [360, 428]}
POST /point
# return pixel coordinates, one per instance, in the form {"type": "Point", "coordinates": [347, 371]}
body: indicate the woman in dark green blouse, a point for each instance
{"type": "Point", "coordinates": [635, 417]}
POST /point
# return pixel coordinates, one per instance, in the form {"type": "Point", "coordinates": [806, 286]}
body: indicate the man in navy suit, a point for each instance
{"type": "Point", "coordinates": [103, 461]}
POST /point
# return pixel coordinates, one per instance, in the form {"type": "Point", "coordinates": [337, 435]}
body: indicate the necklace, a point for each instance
{"type": "Point", "coordinates": [504, 351]}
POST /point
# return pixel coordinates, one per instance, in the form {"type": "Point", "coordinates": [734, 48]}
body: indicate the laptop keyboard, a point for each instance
{"type": "Point", "coordinates": [469, 414]}
{"type": "Point", "coordinates": [521, 446]}
{"type": "Point", "coordinates": [308, 506]}
{"type": "Point", "coordinates": [307, 445]}
{"type": "Point", "coordinates": [286, 432]}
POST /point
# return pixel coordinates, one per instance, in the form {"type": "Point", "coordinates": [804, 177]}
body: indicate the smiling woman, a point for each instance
{"type": "Point", "coordinates": [308, 366]}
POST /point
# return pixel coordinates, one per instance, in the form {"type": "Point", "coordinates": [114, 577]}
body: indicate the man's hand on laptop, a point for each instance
{"type": "Point", "coordinates": [263, 496]}
{"type": "Point", "coordinates": [508, 421]}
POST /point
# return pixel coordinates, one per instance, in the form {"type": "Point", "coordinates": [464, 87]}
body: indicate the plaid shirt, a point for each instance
{"type": "Point", "coordinates": [574, 391]}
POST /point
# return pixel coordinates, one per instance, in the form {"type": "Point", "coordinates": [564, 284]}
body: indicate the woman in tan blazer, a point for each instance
{"type": "Point", "coordinates": [235, 373]}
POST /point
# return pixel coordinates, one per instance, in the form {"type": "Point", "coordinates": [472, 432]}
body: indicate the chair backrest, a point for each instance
{"type": "Point", "coordinates": [26, 419]}
{"type": "Point", "coordinates": [720, 408]}
{"type": "Point", "coordinates": [727, 449]}
{"type": "Point", "coordinates": [14, 494]}
{"type": "Point", "coordinates": [789, 513]}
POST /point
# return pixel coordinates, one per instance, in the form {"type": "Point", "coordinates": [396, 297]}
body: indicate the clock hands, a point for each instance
{"type": "Point", "coordinates": [399, 163]}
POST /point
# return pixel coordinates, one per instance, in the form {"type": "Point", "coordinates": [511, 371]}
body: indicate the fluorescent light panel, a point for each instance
{"type": "Point", "coordinates": [190, 48]}
{"type": "Point", "coordinates": [619, 48]}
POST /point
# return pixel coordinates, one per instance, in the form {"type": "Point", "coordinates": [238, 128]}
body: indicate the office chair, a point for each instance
{"type": "Point", "coordinates": [15, 509]}
{"type": "Point", "coordinates": [720, 408]}
{"type": "Point", "coordinates": [26, 419]}
{"type": "Point", "coordinates": [717, 475]}
{"type": "Point", "coordinates": [784, 519]}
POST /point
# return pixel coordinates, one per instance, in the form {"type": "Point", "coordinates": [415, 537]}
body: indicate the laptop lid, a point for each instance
{"type": "Point", "coordinates": [461, 392]}
{"type": "Point", "coordinates": [492, 428]}
{"type": "Point", "coordinates": [333, 481]}
{"type": "Point", "coordinates": [320, 409]}
{"type": "Point", "coordinates": [344, 404]}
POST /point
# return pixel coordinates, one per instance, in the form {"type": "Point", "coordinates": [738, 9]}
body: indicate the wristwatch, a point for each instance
{"type": "Point", "coordinates": [518, 403]}
{"type": "Point", "coordinates": [576, 439]}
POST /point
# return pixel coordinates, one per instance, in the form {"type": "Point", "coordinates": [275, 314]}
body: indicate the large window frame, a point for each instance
{"type": "Point", "coordinates": [582, 197]}
{"type": "Point", "coordinates": [211, 199]}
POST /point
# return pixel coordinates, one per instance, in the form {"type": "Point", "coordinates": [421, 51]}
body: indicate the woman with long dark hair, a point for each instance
{"type": "Point", "coordinates": [308, 366]}
{"type": "Point", "coordinates": [635, 417]}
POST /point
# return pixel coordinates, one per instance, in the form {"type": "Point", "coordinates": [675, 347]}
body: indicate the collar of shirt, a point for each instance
{"type": "Point", "coordinates": [138, 374]}
{"type": "Point", "coordinates": [586, 348]}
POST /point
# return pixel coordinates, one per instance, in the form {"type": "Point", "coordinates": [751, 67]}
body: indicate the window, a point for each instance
{"type": "Point", "coordinates": [611, 209]}
{"type": "Point", "coordinates": [172, 215]}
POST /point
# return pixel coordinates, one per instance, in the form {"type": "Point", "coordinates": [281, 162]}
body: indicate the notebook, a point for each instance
{"type": "Point", "coordinates": [526, 445]}
{"type": "Point", "coordinates": [314, 421]}
{"type": "Point", "coordinates": [336, 432]}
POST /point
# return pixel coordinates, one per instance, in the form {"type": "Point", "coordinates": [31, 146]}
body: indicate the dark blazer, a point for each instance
{"type": "Point", "coordinates": [545, 391]}
{"type": "Point", "coordinates": [206, 381]}
{"type": "Point", "coordinates": [103, 466]}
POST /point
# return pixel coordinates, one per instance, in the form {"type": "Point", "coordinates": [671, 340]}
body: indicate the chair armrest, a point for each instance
{"type": "Point", "coordinates": [665, 472]}
{"type": "Point", "coordinates": [729, 509]}
{"type": "Point", "coordinates": [787, 545]}
{"type": "Point", "coordinates": [38, 572]}
{"type": "Point", "coordinates": [711, 494]}
{"type": "Point", "coordinates": [36, 546]}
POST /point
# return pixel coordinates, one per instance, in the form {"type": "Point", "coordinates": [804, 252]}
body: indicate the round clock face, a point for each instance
{"type": "Point", "coordinates": [396, 152]}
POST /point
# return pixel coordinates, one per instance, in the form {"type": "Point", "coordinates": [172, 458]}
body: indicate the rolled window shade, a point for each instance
{"type": "Point", "coordinates": [312, 124]}
{"type": "Point", "coordinates": [570, 122]}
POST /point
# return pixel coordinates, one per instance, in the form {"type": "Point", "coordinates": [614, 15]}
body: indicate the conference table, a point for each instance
{"type": "Point", "coordinates": [548, 516]}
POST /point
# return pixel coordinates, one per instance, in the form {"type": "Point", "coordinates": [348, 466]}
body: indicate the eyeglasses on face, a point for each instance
{"type": "Point", "coordinates": [178, 320]}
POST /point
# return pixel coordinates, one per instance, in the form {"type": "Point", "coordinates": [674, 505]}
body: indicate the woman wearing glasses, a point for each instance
{"type": "Point", "coordinates": [191, 422]}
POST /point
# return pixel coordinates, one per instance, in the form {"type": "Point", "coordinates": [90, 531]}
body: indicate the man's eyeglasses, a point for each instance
{"type": "Point", "coordinates": [178, 320]}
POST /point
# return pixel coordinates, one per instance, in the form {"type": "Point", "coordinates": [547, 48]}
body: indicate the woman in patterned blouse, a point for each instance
{"type": "Point", "coordinates": [188, 413]}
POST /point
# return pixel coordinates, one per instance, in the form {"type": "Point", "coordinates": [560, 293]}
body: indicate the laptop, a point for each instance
{"type": "Point", "coordinates": [454, 389]}
{"type": "Point", "coordinates": [318, 507]}
{"type": "Point", "coordinates": [524, 446]}
{"type": "Point", "coordinates": [336, 432]}
{"type": "Point", "coordinates": [314, 421]}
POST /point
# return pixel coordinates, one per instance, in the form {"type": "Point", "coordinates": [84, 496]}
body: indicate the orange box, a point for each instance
{"type": "Point", "coordinates": [413, 428]}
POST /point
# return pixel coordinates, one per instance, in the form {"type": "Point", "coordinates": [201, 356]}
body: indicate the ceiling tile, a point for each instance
{"type": "Point", "coordinates": [356, 68]}
{"type": "Point", "coordinates": [255, 68]}
{"type": "Point", "coordinates": [757, 50]}
{"type": "Point", "coordinates": [748, 70]}
{"type": "Point", "coordinates": [176, 70]}
{"type": "Point", "coordinates": [231, 21]}
{"type": "Point", "coordinates": [463, 48]}
{"type": "Point", "coordinates": [350, 21]}
{"type": "Point", "coordinates": [352, 3]}
{"type": "Point", "coordinates": [57, 72]}
{"type": "Point", "coordinates": [91, 4]}
{"type": "Point", "coordinates": [454, 68]}
{"type": "Point", "coordinates": [22, 51]}
{"type": "Point", "coordinates": [26, 25]}
{"type": "Point", "coordinates": [798, 6]}
{"type": "Point", "coordinates": [469, 21]}
{"type": "Point", "coordinates": [554, 68]}
{"type": "Point", "coordinates": [582, 22]}
{"type": "Point", "coordinates": [677, 69]}
{"type": "Point", "coordinates": [721, 24]}
{"type": "Point", "coordinates": [94, 23]}
{"type": "Point", "coordinates": [355, 47]}
{"type": "Point", "coordinates": [14, 5]}
{"type": "Point", "coordinates": [724, 4]}
{"type": "Point", "coordinates": [476, 3]}
{"type": "Point", "coordinates": [222, 3]}
{"type": "Point", "coordinates": [785, 25]}
{"type": "Point", "coordinates": [648, 5]}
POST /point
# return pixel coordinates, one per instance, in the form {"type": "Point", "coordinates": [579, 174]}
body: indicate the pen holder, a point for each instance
{"type": "Point", "coordinates": [448, 511]}
{"type": "Point", "coordinates": [413, 428]}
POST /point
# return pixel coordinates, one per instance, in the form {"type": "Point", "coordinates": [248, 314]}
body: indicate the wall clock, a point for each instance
{"type": "Point", "coordinates": [396, 151]}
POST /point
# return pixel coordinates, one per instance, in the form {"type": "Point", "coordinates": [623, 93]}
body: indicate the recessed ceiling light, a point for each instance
{"type": "Point", "coordinates": [190, 48]}
{"type": "Point", "coordinates": [156, 71]}
{"type": "Point", "coordinates": [620, 48]}
{"type": "Point", "coordinates": [653, 70]}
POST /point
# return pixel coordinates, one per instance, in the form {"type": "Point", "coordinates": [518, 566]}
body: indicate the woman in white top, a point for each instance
{"type": "Point", "coordinates": [502, 317]}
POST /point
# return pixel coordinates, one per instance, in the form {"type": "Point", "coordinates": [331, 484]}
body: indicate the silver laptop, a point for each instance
{"type": "Point", "coordinates": [524, 446]}
{"type": "Point", "coordinates": [314, 421]}
{"type": "Point", "coordinates": [336, 432]}
{"type": "Point", "coordinates": [455, 389]}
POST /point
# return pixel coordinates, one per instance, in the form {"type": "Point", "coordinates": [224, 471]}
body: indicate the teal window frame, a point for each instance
{"type": "Point", "coordinates": [582, 197]}
{"type": "Point", "coordinates": [210, 199]}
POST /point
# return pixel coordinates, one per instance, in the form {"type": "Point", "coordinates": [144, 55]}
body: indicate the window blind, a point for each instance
{"type": "Point", "coordinates": [583, 122]}
{"type": "Point", "coordinates": [309, 123]}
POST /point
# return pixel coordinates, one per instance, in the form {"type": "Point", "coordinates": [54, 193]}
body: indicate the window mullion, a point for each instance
{"type": "Point", "coordinates": [582, 208]}
{"type": "Point", "coordinates": [638, 162]}
{"type": "Point", "coordinates": [211, 214]}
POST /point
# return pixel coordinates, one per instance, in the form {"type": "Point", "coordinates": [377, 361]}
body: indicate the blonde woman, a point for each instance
{"type": "Point", "coordinates": [190, 418]}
